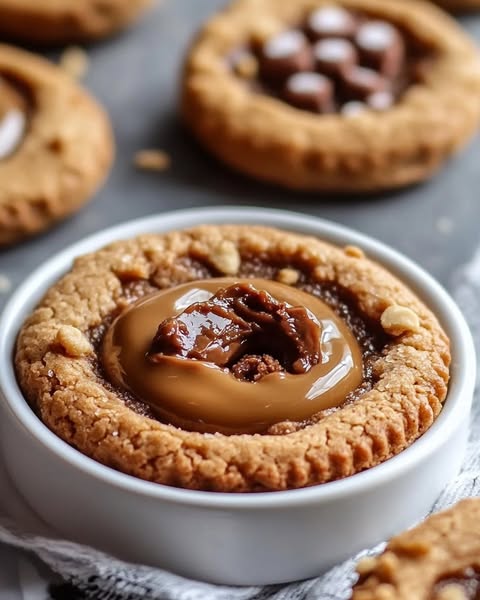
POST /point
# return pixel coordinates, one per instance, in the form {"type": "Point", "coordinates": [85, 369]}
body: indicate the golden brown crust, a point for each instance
{"type": "Point", "coordinates": [56, 374]}
{"type": "Point", "coordinates": [270, 140]}
{"type": "Point", "coordinates": [64, 21]}
{"type": "Point", "coordinates": [66, 152]}
{"type": "Point", "coordinates": [416, 560]}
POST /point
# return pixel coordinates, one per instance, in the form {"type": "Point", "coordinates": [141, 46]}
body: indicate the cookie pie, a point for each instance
{"type": "Point", "coordinates": [438, 560]}
{"type": "Point", "coordinates": [233, 358]}
{"type": "Point", "coordinates": [65, 21]}
{"type": "Point", "coordinates": [56, 145]}
{"type": "Point", "coordinates": [355, 95]}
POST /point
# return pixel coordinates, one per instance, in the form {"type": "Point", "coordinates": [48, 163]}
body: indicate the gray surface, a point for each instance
{"type": "Point", "coordinates": [136, 77]}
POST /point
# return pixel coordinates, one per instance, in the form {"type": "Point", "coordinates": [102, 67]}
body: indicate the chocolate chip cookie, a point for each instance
{"type": "Point", "coordinates": [438, 560]}
{"type": "Point", "coordinates": [55, 145]}
{"type": "Point", "coordinates": [233, 358]}
{"type": "Point", "coordinates": [65, 21]}
{"type": "Point", "coordinates": [354, 96]}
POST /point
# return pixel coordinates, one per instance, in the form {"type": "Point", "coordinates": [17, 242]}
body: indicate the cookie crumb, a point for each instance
{"type": "Point", "coordinates": [452, 591]}
{"type": "Point", "coordinates": [5, 284]}
{"type": "Point", "coordinates": [288, 276]}
{"type": "Point", "coordinates": [73, 342]}
{"type": "Point", "coordinates": [127, 269]}
{"type": "Point", "coordinates": [397, 319]}
{"type": "Point", "coordinates": [387, 565]}
{"type": "Point", "coordinates": [74, 61]}
{"type": "Point", "coordinates": [413, 548]}
{"type": "Point", "coordinates": [226, 258]}
{"type": "Point", "coordinates": [354, 252]}
{"type": "Point", "coordinates": [152, 160]}
{"type": "Point", "coordinates": [444, 225]}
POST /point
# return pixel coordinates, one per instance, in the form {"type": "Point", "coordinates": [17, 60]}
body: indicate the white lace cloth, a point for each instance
{"type": "Point", "coordinates": [101, 577]}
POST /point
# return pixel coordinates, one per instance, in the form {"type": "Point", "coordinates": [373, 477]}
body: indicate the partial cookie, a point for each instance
{"type": "Point", "coordinates": [438, 560]}
{"type": "Point", "coordinates": [233, 358]}
{"type": "Point", "coordinates": [65, 21]}
{"type": "Point", "coordinates": [56, 145]}
{"type": "Point", "coordinates": [459, 5]}
{"type": "Point", "coordinates": [357, 96]}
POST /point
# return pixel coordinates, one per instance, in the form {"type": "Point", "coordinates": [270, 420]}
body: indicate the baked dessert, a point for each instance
{"type": "Point", "coordinates": [53, 130]}
{"type": "Point", "coordinates": [233, 358]}
{"type": "Point", "coordinates": [64, 21]}
{"type": "Point", "coordinates": [459, 5]}
{"type": "Point", "coordinates": [438, 560]}
{"type": "Point", "coordinates": [358, 95]}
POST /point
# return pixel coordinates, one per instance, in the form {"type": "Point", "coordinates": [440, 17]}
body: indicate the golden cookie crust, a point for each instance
{"type": "Point", "coordinates": [64, 21]}
{"type": "Point", "coordinates": [270, 140]}
{"type": "Point", "coordinates": [414, 561]}
{"type": "Point", "coordinates": [64, 156]}
{"type": "Point", "coordinates": [54, 368]}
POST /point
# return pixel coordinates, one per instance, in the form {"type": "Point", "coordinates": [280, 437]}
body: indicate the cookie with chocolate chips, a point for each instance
{"type": "Point", "coordinates": [355, 95]}
{"type": "Point", "coordinates": [56, 145]}
{"type": "Point", "coordinates": [438, 560]}
{"type": "Point", "coordinates": [233, 358]}
{"type": "Point", "coordinates": [66, 21]}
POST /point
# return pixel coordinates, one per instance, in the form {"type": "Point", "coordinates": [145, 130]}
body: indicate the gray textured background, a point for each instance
{"type": "Point", "coordinates": [136, 76]}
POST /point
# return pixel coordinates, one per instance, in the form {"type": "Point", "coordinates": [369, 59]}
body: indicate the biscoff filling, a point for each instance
{"type": "Point", "coordinates": [334, 61]}
{"type": "Point", "coordinates": [233, 357]}
{"type": "Point", "coordinates": [14, 115]}
{"type": "Point", "coordinates": [237, 355]}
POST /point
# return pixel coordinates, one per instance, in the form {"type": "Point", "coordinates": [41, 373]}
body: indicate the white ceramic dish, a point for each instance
{"type": "Point", "coordinates": [228, 538]}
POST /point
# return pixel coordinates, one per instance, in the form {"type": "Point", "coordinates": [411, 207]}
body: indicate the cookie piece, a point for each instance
{"type": "Point", "coordinates": [64, 21]}
{"type": "Point", "coordinates": [63, 348]}
{"type": "Point", "coordinates": [459, 5]}
{"type": "Point", "coordinates": [59, 135]}
{"type": "Point", "coordinates": [359, 96]}
{"type": "Point", "coordinates": [437, 560]}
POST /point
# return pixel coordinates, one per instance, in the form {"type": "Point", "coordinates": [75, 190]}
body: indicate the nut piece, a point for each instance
{"type": "Point", "coordinates": [74, 61]}
{"type": "Point", "coordinates": [398, 319]}
{"type": "Point", "coordinates": [288, 276]}
{"type": "Point", "coordinates": [226, 258]}
{"type": "Point", "coordinates": [247, 67]}
{"type": "Point", "coordinates": [152, 160]}
{"type": "Point", "coordinates": [354, 252]}
{"type": "Point", "coordinates": [366, 565]}
{"type": "Point", "coordinates": [452, 591]}
{"type": "Point", "coordinates": [73, 341]}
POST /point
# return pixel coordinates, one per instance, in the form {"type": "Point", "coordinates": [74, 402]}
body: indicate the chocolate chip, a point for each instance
{"type": "Point", "coordinates": [310, 91]}
{"type": "Point", "coordinates": [381, 47]}
{"type": "Point", "coordinates": [380, 101]}
{"type": "Point", "coordinates": [284, 54]}
{"type": "Point", "coordinates": [331, 21]}
{"type": "Point", "coordinates": [334, 56]}
{"type": "Point", "coordinates": [359, 83]}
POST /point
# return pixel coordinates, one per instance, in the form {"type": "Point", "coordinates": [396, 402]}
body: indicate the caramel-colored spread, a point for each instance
{"type": "Point", "coordinates": [13, 118]}
{"type": "Point", "coordinates": [222, 355]}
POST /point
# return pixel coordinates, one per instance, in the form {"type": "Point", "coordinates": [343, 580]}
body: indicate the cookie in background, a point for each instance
{"type": "Point", "coordinates": [52, 22]}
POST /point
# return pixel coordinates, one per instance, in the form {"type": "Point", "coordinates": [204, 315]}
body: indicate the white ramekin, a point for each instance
{"type": "Point", "coordinates": [229, 538]}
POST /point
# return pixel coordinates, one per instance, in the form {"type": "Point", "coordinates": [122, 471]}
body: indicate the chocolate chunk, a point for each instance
{"type": "Point", "coordinates": [359, 83]}
{"type": "Point", "coordinates": [331, 21]}
{"type": "Point", "coordinates": [334, 56]}
{"type": "Point", "coordinates": [309, 91]}
{"type": "Point", "coordinates": [253, 367]}
{"type": "Point", "coordinates": [237, 321]}
{"type": "Point", "coordinates": [284, 54]}
{"type": "Point", "coordinates": [381, 48]}
{"type": "Point", "coordinates": [381, 101]}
